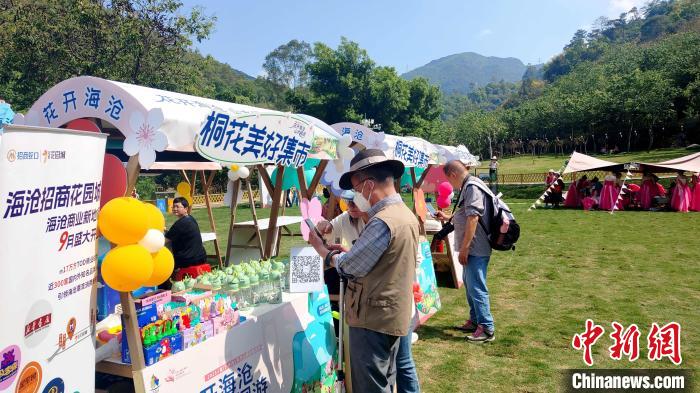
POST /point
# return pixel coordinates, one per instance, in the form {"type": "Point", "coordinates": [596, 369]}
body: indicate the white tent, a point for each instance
{"type": "Point", "coordinates": [689, 163]}
{"type": "Point", "coordinates": [581, 162]}
{"type": "Point", "coordinates": [154, 120]}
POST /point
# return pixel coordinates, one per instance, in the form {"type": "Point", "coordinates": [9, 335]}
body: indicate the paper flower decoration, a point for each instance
{"type": "Point", "coordinates": [238, 172]}
{"type": "Point", "coordinates": [343, 148]}
{"type": "Point", "coordinates": [331, 176]}
{"type": "Point", "coordinates": [312, 210]}
{"type": "Point", "coordinates": [146, 138]}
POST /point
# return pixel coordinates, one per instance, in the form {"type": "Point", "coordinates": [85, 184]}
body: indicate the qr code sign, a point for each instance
{"type": "Point", "coordinates": [305, 269]}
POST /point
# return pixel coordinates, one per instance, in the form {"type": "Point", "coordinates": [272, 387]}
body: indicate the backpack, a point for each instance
{"type": "Point", "coordinates": [497, 209]}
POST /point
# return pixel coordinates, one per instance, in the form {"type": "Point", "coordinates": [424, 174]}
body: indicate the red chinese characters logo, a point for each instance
{"type": "Point", "coordinates": [665, 342]}
{"type": "Point", "coordinates": [626, 342]}
{"type": "Point", "coordinates": [586, 340]}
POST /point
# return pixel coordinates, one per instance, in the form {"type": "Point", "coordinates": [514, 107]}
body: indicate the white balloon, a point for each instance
{"type": "Point", "coordinates": [243, 172]}
{"type": "Point", "coordinates": [452, 195]}
{"type": "Point", "coordinates": [153, 241]}
{"type": "Point", "coordinates": [345, 140]}
{"type": "Point", "coordinates": [233, 175]}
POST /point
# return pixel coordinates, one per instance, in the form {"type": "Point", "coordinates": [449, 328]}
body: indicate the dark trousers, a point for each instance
{"type": "Point", "coordinates": [373, 359]}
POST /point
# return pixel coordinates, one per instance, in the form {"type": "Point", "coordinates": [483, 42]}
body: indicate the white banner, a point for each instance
{"type": "Point", "coordinates": [50, 182]}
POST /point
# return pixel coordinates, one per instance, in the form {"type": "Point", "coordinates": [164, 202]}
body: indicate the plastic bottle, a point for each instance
{"type": "Point", "coordinates": [254, 290]}
{"type": "Point", "coordinates": [276, 281]}
{"type": "Point", "coordinates": [265, 286]}
{"type": "Point", "coordinates": [234, 290]}
{"type": "Point", "coordinates": [244, 297]}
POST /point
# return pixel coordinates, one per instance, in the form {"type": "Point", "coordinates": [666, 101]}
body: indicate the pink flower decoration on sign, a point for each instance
{"type": "Point", "coordinates": [146, 138]}
{"type": "Point", "coordinates": [312, 210]}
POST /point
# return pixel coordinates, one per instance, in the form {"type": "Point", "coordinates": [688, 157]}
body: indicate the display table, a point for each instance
{"type": "Point", "coordinates": [450, 257]}
{"type": "Point", "coordinates": [246, 246]}
{"type": "Point", "coordinates": [267, 349]}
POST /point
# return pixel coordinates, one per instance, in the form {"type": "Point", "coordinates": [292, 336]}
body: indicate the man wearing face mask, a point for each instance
{"type": "Point", "coordinates": [380, 269]}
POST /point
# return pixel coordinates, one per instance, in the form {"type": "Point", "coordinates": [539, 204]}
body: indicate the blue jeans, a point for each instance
{"type": "Point", "coordinates": [406, 376]}
{"type": "Point", "coordinates": [474, 277]}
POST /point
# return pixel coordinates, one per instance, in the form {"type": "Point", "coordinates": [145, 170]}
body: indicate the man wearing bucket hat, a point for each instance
{"type": "Point", "coordinates": [380, 269]}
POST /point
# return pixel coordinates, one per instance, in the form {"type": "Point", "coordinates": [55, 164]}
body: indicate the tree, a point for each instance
{"type": "Point", "coordinates": [136, 41]}
{"type": "Point", "coordinates": [286, 65]}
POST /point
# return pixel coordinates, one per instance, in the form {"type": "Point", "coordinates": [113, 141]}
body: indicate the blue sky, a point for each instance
{"type": "Point", "coordinates": [403, 34]}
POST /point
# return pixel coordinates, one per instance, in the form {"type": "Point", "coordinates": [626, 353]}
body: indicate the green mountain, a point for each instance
{"type": "Point", "coordinates": [463, 72]}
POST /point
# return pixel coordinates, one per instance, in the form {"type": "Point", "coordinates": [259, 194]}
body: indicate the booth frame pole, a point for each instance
{"type": "Point", "coordinates": [272, 230]}
{"type": "Point", "coordinates": [128, 310]}
{"type": "Point", "coordinates": [317, 178]}
{"type": "Point", "coordinates": [254, 212]}
{"type": "Point", "coordinates": [232, 224]}
{"type": "Point", "coordinates": [206, 185]}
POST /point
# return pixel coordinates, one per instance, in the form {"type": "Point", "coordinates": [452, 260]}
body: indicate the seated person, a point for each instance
{"type": "Point", "coordinates": [185, 240]}
{"type": "Point", "coordinates": [555, 195]}
{"type": "Point", "coordinates": [344, 230]}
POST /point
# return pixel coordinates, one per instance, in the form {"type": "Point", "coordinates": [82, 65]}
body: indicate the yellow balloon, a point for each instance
{"type": "Point", "coordinates": [127, 268]}
{"type": "Point", "coordinates": [155, 217]}
{"type": "Point", "coordinates": [189, 199]}
{"type": "Point", "coordinates": [123, 220]}
{"type": "Point", "coordinates": [163, 265]}
{"type": "Point", "coordinates": [343, 205]}
{"type": "Point", "coordinates": [234, 167]}
{"type": "Point", "coordinates": [183, 188]}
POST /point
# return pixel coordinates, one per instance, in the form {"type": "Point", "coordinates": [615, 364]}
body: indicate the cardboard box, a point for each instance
{"type": "Point", "coordinates": [147, 314]}
{"type": "Point", "coordinates": [190, 296]}
{"type": "Point", "coordinates": [159, 297]}
{"type": "Point", "coordinates": [197, 334]}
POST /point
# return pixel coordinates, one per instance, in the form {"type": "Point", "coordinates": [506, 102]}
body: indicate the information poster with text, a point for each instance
{"type": "Point", "coordinates": [50, 182]}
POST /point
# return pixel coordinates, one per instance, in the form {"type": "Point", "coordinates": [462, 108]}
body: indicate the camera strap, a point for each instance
{"type": "Point", "coordinates": [459, 198]}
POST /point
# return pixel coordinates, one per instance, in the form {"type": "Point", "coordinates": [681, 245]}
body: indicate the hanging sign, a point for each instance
{"type": "Point", "coordinates": [245, 138]}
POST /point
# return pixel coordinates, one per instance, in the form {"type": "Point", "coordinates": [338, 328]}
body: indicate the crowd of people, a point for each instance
{"type": "Point", "coordinates": [682, 195]}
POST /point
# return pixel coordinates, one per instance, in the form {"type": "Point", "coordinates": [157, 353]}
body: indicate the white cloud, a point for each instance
{"type": "Point", "coordinates": [483, 33]}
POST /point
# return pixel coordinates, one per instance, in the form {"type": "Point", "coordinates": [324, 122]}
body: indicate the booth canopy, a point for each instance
{"type": "Point", "coordinates": [153, 120]}
{"type": "Point", "coordinates": [581, 162]}
{"type": "Point", "coordinates": [689, 163]}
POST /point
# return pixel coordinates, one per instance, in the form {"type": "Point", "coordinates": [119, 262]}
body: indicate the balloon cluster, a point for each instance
{"type": "Point", "coordinates": [140, 258]}
{"type": "Point", "coordinates": [444, 195]}
{"type": "Point", "coordinates": [184, 190]}
{"type": "Point", "coordinates": [238, 172]}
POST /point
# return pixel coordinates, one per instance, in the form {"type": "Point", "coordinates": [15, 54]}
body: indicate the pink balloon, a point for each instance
{"type": "Point", "coordinates": [444, 202]}
{"type": "Point", "coordinates": [444, 189]}
{"type": "Point", "coordinates": [312, 210]}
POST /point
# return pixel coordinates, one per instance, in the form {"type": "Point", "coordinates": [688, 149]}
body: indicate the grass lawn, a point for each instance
{"type": "Point", "coordinates": [532, 164]}
{"type": "Point", "coordinates": [631, 267]}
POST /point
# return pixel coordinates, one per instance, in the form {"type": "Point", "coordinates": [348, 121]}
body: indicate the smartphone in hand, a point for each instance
{"type": "Point", "coordinates": [431, 209]}
{"type": "Point", "coordinates": [312, 227]}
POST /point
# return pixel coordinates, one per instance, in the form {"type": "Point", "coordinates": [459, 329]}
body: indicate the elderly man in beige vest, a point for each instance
{"type": "Point", "coordinates": [380, 269]}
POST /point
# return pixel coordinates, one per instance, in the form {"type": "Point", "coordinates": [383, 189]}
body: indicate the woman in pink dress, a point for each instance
{"type": "Point", "coordinates": [572, 197]}
{"type": "Point", "coordinates": [695, 202]}
{"type": "Point", "coordinates": [608, 196]}
{"type": "Point", "coordinates": [681, 197]}
{"type": "Point", "coordinates": [647, 192]}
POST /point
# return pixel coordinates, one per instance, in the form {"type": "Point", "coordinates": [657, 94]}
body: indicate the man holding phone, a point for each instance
{"type": "Point", "coordinates": [380, 269]}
